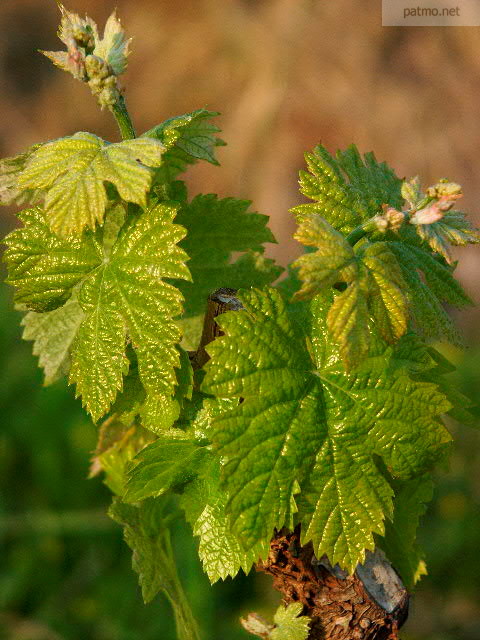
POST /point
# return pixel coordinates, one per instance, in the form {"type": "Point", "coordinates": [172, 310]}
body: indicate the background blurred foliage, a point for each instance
{"type": "Point", "coordinates": [286, 74]}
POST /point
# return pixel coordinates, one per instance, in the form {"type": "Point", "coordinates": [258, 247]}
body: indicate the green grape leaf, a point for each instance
{"type": "Point", "coordinates": [216, 228]}
{"type": "Point", "coordinates": [144, 532]}
{"type": "Point", "coordinates": [387, 301]}
{"type": "Point", "coordinates": [122, 293]}
{"type": "Point", "coordinates": [348, 321]}
{"type": "Point", "coordinates": [221, 552]}
{"type": "Point", "coordinates": [10, 192]}
{"type": "Point", "coordinates": [131, 398]}
{"type": "Point", "coordinates": [347, 189]}
{"type": "Point", "coordinates": [73, 171]}
{"type": "Point", "coordinates": [53, 333]}
{"type": "Point", "coordinates": [452, 229]}
{"type": "Point", "coordinates": [399, 541]}
{"type": "Point", "coordinates": [177, 455]}
{"type": "Point", "coordinates": [98, 356]}
{"type": "Point", "coordinates": [429, 283]}
{"type": "Point", "coordinates": [434, 367]}
{"type": "Point", "coordinates": [186, 138]}
{"type": "Point", "coordinates": [127, 294]}
{"type": "Point", "coordinates": [305, 421]}
{"type": "Point", "coordinates": [169, 461]}
{"type": "Point", "coordinates": [375, 287]}
{"type": "Point", "coordinates": [427, 364]}
{"type": "Point", "coordinates": [43, 267]}
{"type": "Point", "coordinates": [160, 411]}
{"type": "Point", "coordinates": [290, 624]}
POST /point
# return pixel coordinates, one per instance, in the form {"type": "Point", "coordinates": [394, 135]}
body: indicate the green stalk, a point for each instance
{"type": "Point", "coordinates": [361, 231]}
{"type": "Point", "coordinates": [119, 110]}
{"type": "Point", "coordinates": [187, 627]}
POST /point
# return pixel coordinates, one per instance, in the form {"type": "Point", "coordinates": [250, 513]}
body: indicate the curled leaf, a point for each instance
{"type": "Point", "coordinates": [451, 228]}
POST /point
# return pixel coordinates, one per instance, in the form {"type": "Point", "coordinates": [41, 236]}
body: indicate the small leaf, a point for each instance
{"type": "Point", "coordinates": [10, 169]}
{"type": "Point", "coordinates": [290, 624]}
{"type": "Point", "coordinates": [452, 228]}
{"type": "Point", "coordinates": [429, 283]}
{"type": "Point", "coordinates": [73, 171]}
{"type": "Point", "coordinates": [116, 447]}
{"type": "Point", "coordinates": [386, 291]}
{"type": "Point", "coordinates": [74, 28]}
{"type": "Point", "coordinates": [347, 189]}
{"type": "Point", "coordinates": [167, 462]}
{"type": "Point", "coordinates": [186, 138]}
{"type": "Point", "coordinates": [114, 47]}
{"type": "Point", "coordinates": [144, 532]}
{"type": "Point", "coordinates": [375, 287]}
{"type": "Point", "coordinates": [411, 192]}
{"type": "Point", "coordinates": [324, 267]}
{"type": "Point", "coordinates": [79, 36]}
{"type": "Point", "coordinates": [348, 324]}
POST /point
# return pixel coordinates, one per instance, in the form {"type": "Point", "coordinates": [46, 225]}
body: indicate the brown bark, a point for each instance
{"type": "Point", "coordinates": [218, 302]}
{"type": "Point", "coordinates": [372, 604]}
{"type": "Point", "coordinates": [340, 606]}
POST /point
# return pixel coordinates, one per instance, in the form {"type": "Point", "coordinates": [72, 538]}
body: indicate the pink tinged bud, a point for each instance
{"type": "Point", "coordinates": [446, 202]}
{"type": "Point", "coordinates": [429, 215]}
{"type": "Point", "coordinates": [390, 220]}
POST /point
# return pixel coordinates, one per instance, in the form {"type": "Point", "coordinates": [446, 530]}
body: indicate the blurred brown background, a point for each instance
{"type": "Point", "coordinates": [287, 74]}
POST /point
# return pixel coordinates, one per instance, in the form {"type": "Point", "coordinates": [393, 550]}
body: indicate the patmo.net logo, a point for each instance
{"type": "Point", "coordinates": [440, 13]}
{"type": "Point", "coordinates": [430, 12]}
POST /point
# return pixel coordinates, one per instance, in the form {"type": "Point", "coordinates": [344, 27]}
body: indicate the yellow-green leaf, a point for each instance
{"type": "Point", "coordinates": [73, 172]}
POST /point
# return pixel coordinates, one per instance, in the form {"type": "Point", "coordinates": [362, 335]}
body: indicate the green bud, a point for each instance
{"type": "Point", "coordinates": [390, 220]}
{"type": "Point", "coordinates": [411, 192]}
{"type": "Point", "coordinates": [97, 68]}
{"type": "Point", "coordinates": [445, 188]}
{"type": "Point", "coordinates": [84, 37]}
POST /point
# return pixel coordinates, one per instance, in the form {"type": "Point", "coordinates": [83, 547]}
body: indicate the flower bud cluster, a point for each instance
{"type": "Point", "coordinates": [90, 58]}
{"type": "Point", "coordinates": [102, 81]}
{"type": "Point", "coordinates": [442, 197]}
{"type": "Point", "coordinates": [390, 220]}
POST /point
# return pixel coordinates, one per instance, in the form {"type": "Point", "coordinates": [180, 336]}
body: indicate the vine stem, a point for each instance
{"type": "Point", "coordinates": [125, 124]}
{"type": "Point", "coordinates": [187, 627]}
{"type": "Point", "coordinates": [361, 231]}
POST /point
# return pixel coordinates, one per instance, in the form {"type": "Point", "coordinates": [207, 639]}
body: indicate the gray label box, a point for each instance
{"type": "Point", "coordinates": [431, 13]}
